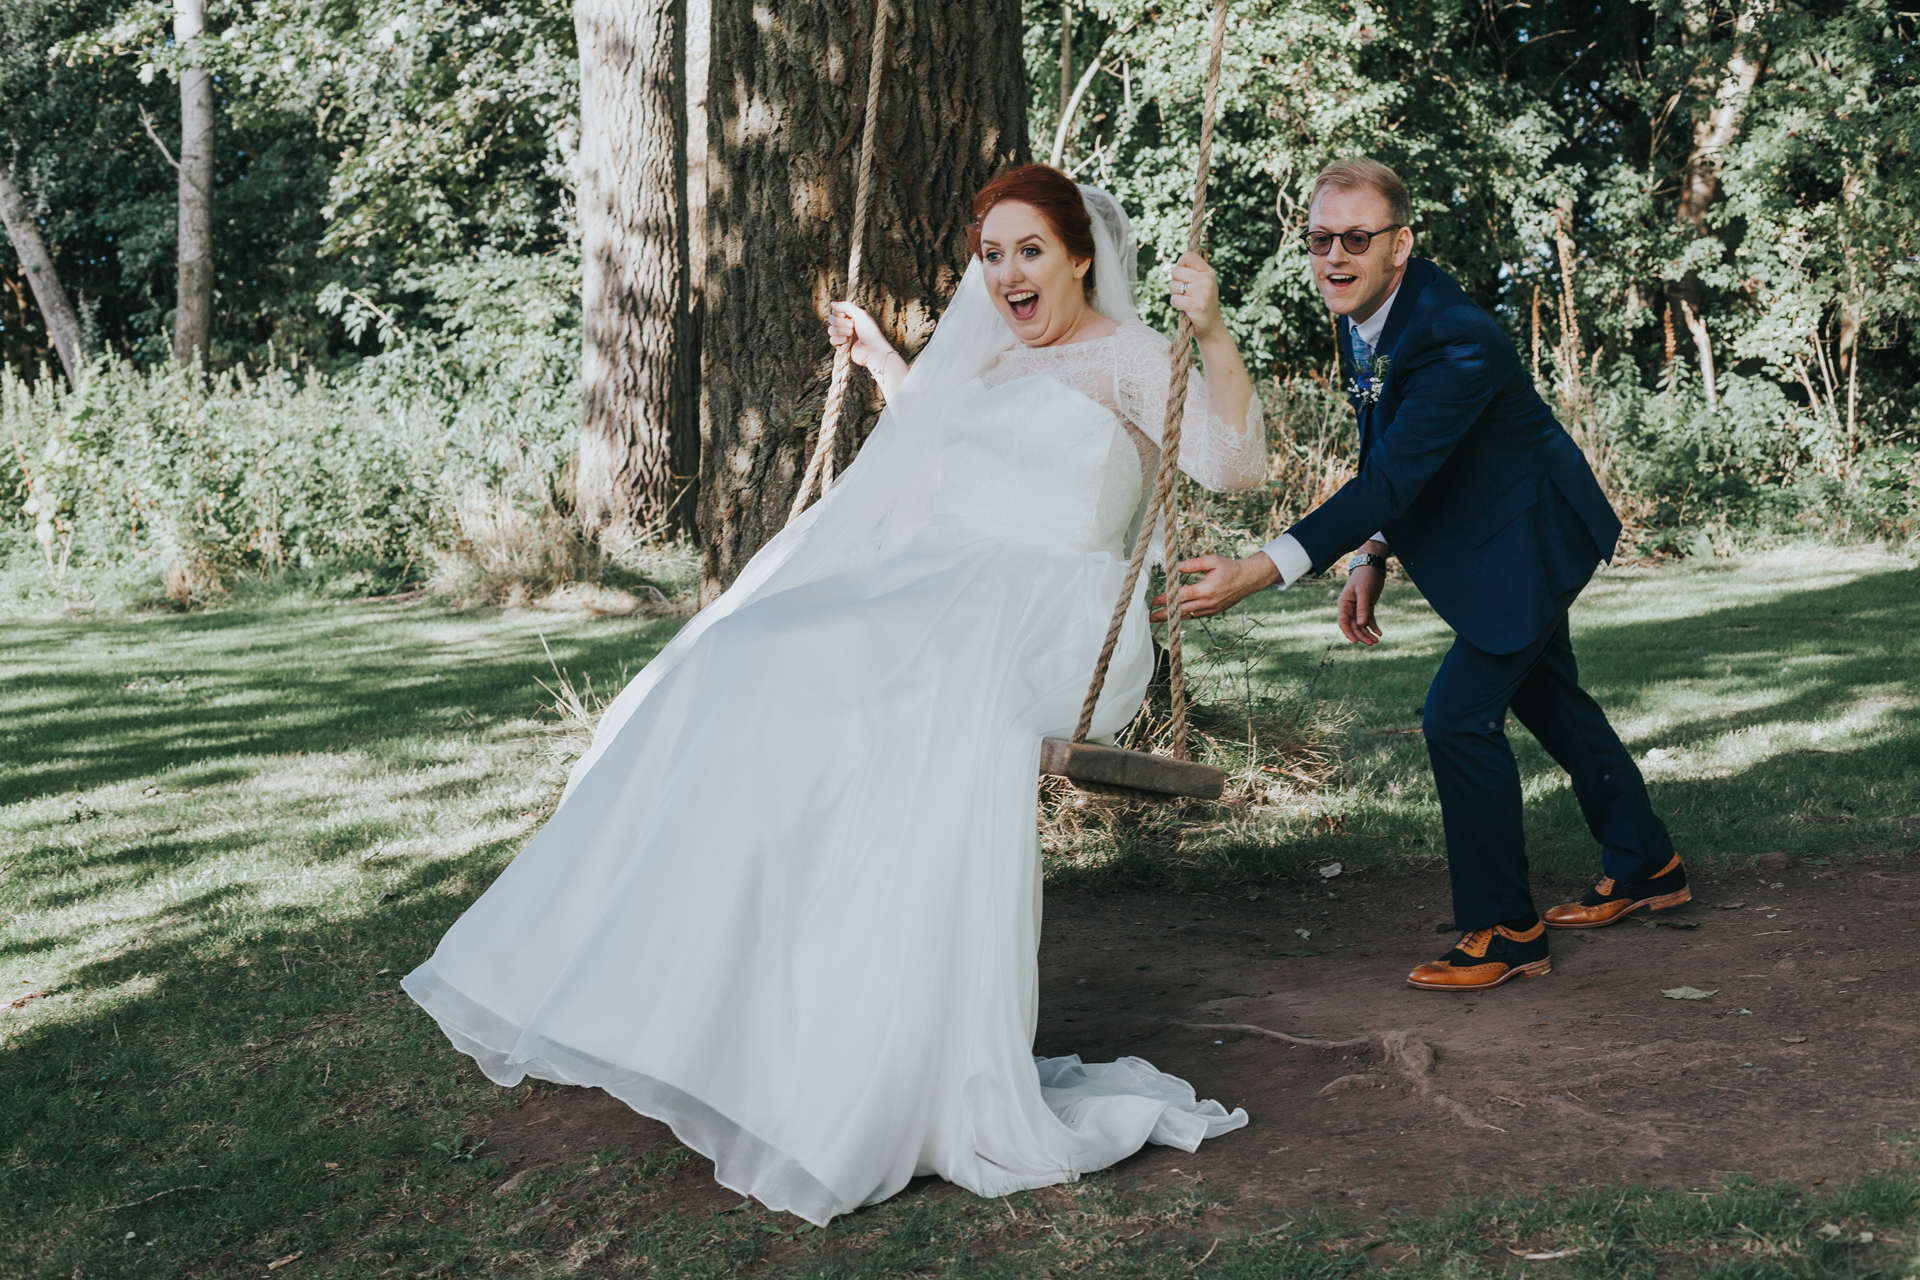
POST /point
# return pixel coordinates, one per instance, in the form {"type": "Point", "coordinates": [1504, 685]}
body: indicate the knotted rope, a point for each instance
{"type": "Point", "coordinates": [1166, 485]}
{"type": "Point", "coordinates": [820, 465]}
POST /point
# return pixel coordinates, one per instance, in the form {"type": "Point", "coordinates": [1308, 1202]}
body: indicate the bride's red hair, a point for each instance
{"type": "Point", "coordinates": [1054, 194]}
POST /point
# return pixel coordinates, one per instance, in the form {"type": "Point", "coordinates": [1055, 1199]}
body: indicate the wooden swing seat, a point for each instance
{"type": "Point", "coordinates": [1112, 770]}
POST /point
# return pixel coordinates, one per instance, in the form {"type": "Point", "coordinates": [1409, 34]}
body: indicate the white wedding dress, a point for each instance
{"type": "Point", "coordinates": [790, 902]}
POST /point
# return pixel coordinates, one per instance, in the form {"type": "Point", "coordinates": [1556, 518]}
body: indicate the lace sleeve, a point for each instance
{"type": "Point", "coordinates": [1223, 456]}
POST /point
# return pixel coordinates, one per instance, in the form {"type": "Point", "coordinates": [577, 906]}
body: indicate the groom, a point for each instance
{"type": "Point", "coordinates": [1496, 516]}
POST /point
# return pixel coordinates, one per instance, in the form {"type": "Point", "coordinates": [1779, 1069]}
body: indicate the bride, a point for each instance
{"type": "Point", "coordinates": [790, 901]}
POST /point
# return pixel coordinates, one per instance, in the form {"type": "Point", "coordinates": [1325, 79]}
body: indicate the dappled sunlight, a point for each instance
{"type": "Point", "coordinates": [351, 770]}
{"type": "Point", "coordinates": [1771, 705]}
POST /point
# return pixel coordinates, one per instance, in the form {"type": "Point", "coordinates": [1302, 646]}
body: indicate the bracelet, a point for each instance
{"type": "Point", "coordinates": [1364, 560]}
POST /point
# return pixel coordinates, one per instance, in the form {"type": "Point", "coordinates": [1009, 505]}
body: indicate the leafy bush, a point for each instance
{"type": "Point", "coordinates": [166, 473]}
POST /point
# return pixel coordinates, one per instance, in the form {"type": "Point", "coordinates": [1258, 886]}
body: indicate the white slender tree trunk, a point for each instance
{"type": "Point", "coordinates": [63, 323]}
{"type": "Point", "coordinates": [639, 438]}
{"type": "Point", "coordinates": [1700, 177]}
{"type": "Point", "coordinates": [193, 309]}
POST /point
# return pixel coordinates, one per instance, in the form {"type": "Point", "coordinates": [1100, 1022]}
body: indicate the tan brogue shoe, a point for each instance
{"type": "Point", "coordinates": [1610, 901]}
{"type": "Point", "coordinates": [1486, 958]}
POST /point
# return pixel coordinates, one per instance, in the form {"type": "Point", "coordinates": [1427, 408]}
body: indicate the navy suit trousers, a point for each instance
{"type": "Point", "coordinates": [1479, 781]}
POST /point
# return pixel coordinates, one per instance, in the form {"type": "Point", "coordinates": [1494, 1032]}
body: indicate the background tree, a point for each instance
{"type": "Point", "coordinates": [56, 309]}
{"type": "Point", "coordinates": [787, 87]}
{"type": "Point", "coordinates": [193, 304]}
{"type": "Point", "coordinates": [639, 436]}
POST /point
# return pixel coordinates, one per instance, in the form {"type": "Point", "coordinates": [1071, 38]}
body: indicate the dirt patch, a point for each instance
{"type": "Point", "coordinates": [1798, 1066]}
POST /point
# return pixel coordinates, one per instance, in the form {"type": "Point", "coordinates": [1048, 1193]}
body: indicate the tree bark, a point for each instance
{"type": "Point", "coordinates": [56, 309]}
{"type": "Point", "coordinates": [1700, 176]}
{"type": "Point", "coordinates": [787, 90]}
{"type": "Point", "coordinates": [193, 305]}
{"type": "Point", "coordinates": [1700, 179]}
{"type": "Point", "coordinates": [639, 437]}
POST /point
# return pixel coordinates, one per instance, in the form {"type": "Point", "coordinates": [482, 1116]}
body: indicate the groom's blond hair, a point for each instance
{"type": "Point", "coordinates": [1351, 175]}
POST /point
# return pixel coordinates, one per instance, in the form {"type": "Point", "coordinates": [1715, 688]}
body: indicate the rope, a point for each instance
{"type": "Point", "coordinates": [1166, 484]}
{"type": "Point", "coordinates": [820, 465]}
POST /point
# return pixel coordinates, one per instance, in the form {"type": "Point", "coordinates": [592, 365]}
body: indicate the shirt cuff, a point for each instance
{"type": "Point", "coordinates": [1290, 558]}
{"type": "Point", "coordinates": [1378, 537]}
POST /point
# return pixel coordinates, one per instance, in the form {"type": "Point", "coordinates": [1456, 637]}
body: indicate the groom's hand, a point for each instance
{"type": "Point", "coordinates": [1356, 604]}
{"type": "Point", "coordinates": [1226, 584]}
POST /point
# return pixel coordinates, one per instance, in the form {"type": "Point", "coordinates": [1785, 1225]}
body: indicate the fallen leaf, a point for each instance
{"type": "Point", "coordinates": [330, 1165]}
{"type": "Point", "coordinates": [278, 1263]}
{"type": "Point", "coordinates": [1669, 924]}
{"type": "Point", "coordinates": [1830, 1231]}
{"type": "Point", "coordinates": [1305, 933]}
{"type": "Point", "coordinates": [1794, 1039]}
{"type": "Point", "coordinates": [1329, 871]}
{"type": "Point", "coordinates": [1301, 951]}
{"type": "Point", "coordinates": [1542, 1257]}
{"type": "Point", "coordinates": [1687, 993]}
{"type": "Point", "coordinates": [1732, 906]}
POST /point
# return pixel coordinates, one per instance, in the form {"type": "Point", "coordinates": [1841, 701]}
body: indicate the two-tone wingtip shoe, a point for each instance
{"type": "Point", "coordinates": [1611, 900]}
{"type": "Point", "coordinates": [1486, 958]}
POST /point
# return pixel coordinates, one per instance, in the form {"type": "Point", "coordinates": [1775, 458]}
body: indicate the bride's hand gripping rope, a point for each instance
{"type": "Point", "coordinates": [871, 351]}
{"type": "Point", "coordinates": [1195, 291]}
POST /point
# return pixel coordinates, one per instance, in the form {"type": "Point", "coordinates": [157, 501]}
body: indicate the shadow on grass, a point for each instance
{"type": "Point", "coordinates": [262, 1063]}
{"type": "Point", "coordinates": [318, 678]}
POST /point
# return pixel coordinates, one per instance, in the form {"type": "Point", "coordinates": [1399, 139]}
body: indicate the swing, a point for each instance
{"type": "Point", "coordinates": [1142, 775]}
{"type": "Point", "coordinates": [1088, 766]}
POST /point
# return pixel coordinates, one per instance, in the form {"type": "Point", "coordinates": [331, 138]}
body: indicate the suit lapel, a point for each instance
{"type": "Point", "coordinates": [1412, 285]}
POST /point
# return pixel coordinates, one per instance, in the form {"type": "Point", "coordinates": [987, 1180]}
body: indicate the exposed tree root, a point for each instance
{"type": "Point", "coordinates": [1410, 1057]}
{"type": "Point", "coordinates": [1249, 1029]}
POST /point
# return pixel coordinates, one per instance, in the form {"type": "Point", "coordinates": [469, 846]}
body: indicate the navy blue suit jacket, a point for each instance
{"type": "Point", "coordinates": [1481, 493]}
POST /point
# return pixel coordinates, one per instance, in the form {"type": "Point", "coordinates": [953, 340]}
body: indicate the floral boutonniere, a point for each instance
{"type": "Point", "coordinates": [1371, 381]}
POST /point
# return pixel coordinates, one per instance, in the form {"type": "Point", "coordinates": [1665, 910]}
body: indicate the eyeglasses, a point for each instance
{"type": "Point", "coordinates": [1320, 243]}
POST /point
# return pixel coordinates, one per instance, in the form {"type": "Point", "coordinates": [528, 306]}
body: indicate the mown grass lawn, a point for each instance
{"type": "Point", "coordinates": [224, 836]}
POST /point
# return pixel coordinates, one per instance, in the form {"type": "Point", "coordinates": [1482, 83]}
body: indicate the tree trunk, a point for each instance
{"type": "Point", "coordinates": [639, 431]}
{"type": "Point", "coordinates": [1700, 176]}
{"type": "Point", "coordinates": [1700, 179]}
{"type": "Point", "coordinates": [1703, 343]}
{"type": "Point", "coordinates": [699, 34]}
{"type": "Point", "coordinates": [785, 103]}
{"type": "Point", "coordinates": [63, 323]}
{"type": "Point", "coordinates": [193, 307]}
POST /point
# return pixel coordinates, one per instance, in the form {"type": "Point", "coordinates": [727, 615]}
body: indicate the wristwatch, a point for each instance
{"type": "Point", "coordinates": [1365, 559]}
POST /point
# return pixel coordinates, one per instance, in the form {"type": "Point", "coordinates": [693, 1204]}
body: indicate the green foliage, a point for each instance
{"type": "Point", "coordinates": [1546, 147]}
{"type": "Point", "coordinates": [164, 470]}
{"type": "Point", "coordinates": [394, 209]}
{"type": "Point", "coordinates": [106, 197]}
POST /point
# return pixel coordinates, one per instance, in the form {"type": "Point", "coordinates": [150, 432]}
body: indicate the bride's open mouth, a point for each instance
{"type": "Point", "coordinates": [1023, 304]}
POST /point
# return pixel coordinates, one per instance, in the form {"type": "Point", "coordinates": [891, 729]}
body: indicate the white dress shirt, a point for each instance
{"type": "Point", "coordinates": [1288, 556]}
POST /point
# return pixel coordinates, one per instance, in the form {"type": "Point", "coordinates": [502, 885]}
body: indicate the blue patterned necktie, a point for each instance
{"type": "Point", "coordinates": [1362, 355]}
